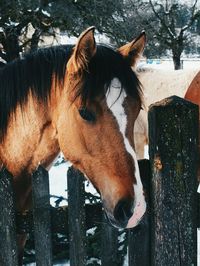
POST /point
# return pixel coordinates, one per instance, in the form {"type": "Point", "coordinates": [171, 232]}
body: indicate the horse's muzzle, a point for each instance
{"type": "Point", "coordinates": [123, 211]}
{"type": "Point", "coordinates": [126, 214]}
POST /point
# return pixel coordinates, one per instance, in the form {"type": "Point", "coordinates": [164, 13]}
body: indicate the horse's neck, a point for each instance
{"type": "Point", "coordinates": [30, 140]}
{"type": "Point", "coordinates": [193, 92]}
{"type": "Point", "coordinates": [159, 84]}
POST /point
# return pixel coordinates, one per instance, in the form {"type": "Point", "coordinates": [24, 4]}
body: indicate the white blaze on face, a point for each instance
{"type": "Point", "coordinates": [115, 104]}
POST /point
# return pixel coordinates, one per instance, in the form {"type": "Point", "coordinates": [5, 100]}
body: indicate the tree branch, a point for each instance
{"type": "Point", "coordinates": [162, 21]}
{"type": "Point", "coordinates": [193, 7]}
{"type": "Point", "coordinates": [193, 18]}
{"type": "Point", "coordinates": [159, 36]}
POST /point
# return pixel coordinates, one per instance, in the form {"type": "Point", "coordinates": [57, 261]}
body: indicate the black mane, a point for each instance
{"type": "Point", "coordinates": [103, 67]}
{"type": "Point", "coordinates": [35, 70]}
{"type": "Point", "coordinates": [31, 73]}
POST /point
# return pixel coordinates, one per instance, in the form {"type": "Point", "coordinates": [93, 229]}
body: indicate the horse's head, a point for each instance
{"type": "Point", "coordinates": [96, 113]}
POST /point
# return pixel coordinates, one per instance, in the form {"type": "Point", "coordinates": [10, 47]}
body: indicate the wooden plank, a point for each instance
{"type": "Point", "coordinates": [173, 134]}
{"type": "Point", "coordinates": [139, 237]}
{"type": "Point", "coordinates": [42, 218]}
{"type": "Point", "coordinates": [109, 245]}
{"type": "Point", "coordinates": [76, 215]}
{"type": "Point", "coordinates": [8, 243]}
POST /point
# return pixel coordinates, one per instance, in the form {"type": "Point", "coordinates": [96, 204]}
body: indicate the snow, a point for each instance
{"type": "Point", "coordinates": [65, 39]}
{"type": "Point", "coordinates": [126, 260]}
{"type": "Point", "coordinates": [91, 231]}
{"type": "Point", "coordinates": [93, 260]}
{"type": "Point", "coordinates": [12, 23]}
{"type": "Point", "coordinates": [165, 64]}
{"type": "Point", "coordinates": [62, 262]}
{"type": "Point", "coordinates": [58, 183]}
{"type": "Point", "coordinates": [44, 12]}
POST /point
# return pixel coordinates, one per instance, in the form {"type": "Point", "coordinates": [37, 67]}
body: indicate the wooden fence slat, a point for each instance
{"type": "Point", "coordinates": [139, 237]}
{"type": "Point", "coordinates": [76, 215]}
{"type": "Point", "coordinates": [173, 134]}
{"type": "Point", "coordinates": [8, 244]}
{"type": "Point", "coordinates": [42, 218]}
{"type": "Point", "coordinates": [109, 245]}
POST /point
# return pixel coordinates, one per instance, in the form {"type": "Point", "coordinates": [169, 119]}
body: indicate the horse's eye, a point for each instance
{"type": "Point", "coordinates": [87, 115]}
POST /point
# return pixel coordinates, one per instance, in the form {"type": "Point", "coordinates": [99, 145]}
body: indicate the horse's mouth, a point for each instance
{"type": "Point", "coordinates": [121, 225]}
{"type": "Point", "coordinates": [110, 219]}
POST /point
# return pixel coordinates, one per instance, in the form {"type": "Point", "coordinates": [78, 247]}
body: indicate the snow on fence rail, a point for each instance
{"type": "Point", "coordinates": [167, 236]}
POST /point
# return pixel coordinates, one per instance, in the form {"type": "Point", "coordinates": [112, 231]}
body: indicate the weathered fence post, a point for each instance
{"type": "Point", "coordinates": [8, 244]}
{"type": "Point", "coordinates": [173, 134]}
{"type": "Point", "coordinates": [76, 214]}
{"type": "Point", "coordinates": [109, 245]}
{"type": "Point", "coordinates": [139, 237]}
{"type": "Point", "coordinates": [42, 217]}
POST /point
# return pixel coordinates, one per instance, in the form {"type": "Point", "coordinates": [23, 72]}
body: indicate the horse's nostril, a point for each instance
{"type": "Point", "coordinates": [122, 211]}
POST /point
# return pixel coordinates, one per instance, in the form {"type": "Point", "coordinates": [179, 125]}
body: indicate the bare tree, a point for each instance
{"type": "Point", "coordinates": [171, 31]}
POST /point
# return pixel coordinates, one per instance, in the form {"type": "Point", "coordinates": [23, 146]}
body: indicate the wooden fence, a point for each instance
{"type": "Point", "coordinates": [166, 237]}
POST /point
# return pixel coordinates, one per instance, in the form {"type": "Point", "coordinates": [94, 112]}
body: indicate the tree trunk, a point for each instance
{"type": "Point", "coordinates": [177, 62]}
{"type": "Point", "coordinates": [11, 45]}
{"type": "Point", "coordinates": [177, 49]}
{"type": "Point", "coordinates": [35, 39]}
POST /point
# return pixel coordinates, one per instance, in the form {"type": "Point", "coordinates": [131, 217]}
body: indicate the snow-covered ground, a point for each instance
{"type": "Point", "coordinates": [168, 64]}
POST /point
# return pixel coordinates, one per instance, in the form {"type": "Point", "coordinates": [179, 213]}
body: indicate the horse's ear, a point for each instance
{"type": "Point", "coordinates": [84, 49]}
{"type": "Point", "coordinates": [133, 51]}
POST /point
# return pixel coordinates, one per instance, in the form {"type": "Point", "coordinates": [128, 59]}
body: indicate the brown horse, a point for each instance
{"type": "Point", "coordinates": [193, 92]}
{"type": "Point", "coordinates": [84, 102]}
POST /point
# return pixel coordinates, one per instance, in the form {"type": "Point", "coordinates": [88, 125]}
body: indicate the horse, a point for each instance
{"type": "Point", "coordinates": [82, 100]}
{"type": "Point", "coordinates": [193, 92]}
{"type": "Point", "coordinates": [158, 84]}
